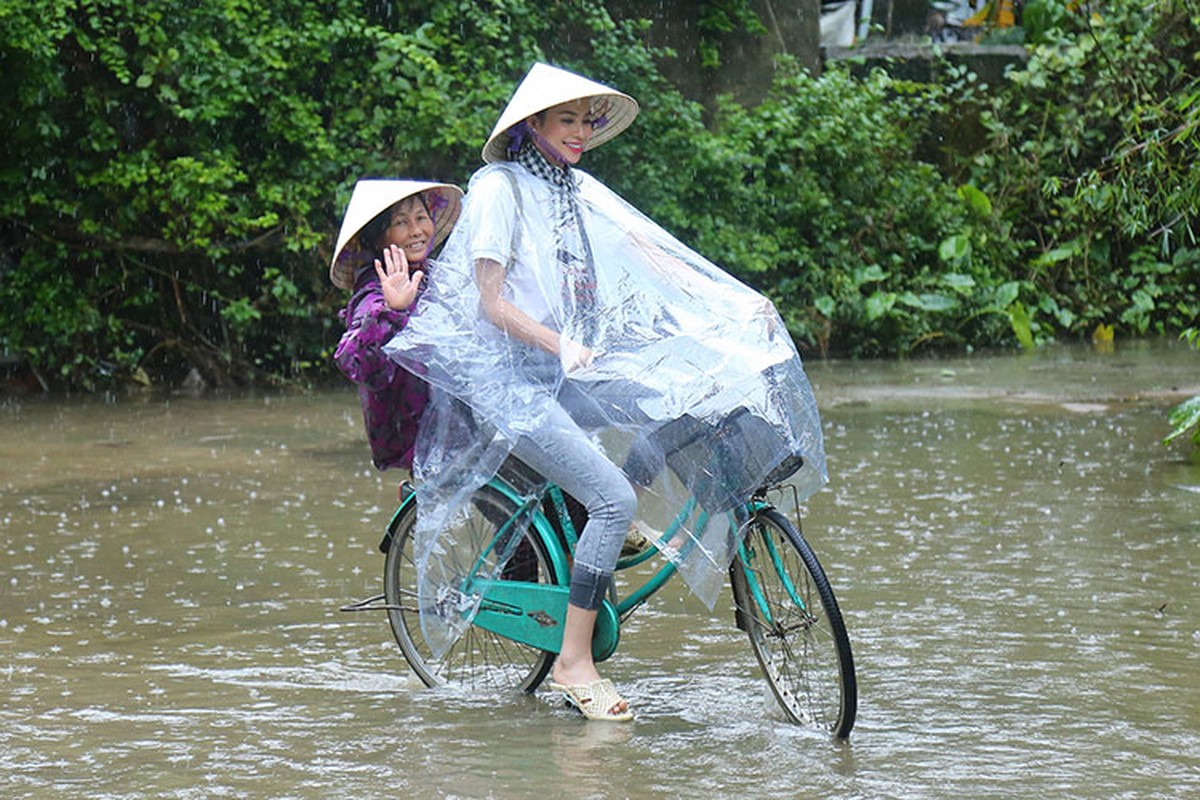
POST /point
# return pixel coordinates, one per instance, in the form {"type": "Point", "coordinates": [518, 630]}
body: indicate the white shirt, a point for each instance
{"type": "Point", "coordinates": [516, 231]}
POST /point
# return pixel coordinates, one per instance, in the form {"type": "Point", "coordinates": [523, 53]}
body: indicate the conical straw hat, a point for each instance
{"type": "Point", "coordinates": [374, 196]}
{"type": "Point", "coordinates": [544, 87]}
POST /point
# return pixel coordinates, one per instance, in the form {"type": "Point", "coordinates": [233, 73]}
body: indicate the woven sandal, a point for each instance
{"type": "Point", "coordinates": [636, 540]}
{"type": "Point", "coordinates": [594, 700]}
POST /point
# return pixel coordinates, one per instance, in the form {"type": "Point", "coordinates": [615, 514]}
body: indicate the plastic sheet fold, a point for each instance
{"type": "Point", "coordinates": [695, 386]}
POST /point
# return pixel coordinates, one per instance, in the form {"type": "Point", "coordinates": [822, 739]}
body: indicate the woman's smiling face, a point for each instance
{"type": "Point", "coordinates": [563, 132]}
{"type": "Point", "coordinates": [410, 228]}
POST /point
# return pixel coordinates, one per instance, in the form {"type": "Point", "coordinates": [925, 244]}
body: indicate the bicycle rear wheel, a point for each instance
{"type": "Point", "coordinates": [479, 660]}
{"type": "Point", "coordinates": [785, 604]}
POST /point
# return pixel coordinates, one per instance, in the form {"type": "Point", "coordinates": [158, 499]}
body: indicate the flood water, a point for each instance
{"type": "Point", "coordinates": [1015, 551]}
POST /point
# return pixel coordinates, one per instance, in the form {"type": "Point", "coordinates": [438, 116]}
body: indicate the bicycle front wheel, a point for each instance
{"type": "Point", "coordinates": [479, 660]}
{"type": "Point", "coordinates": [785, 604]}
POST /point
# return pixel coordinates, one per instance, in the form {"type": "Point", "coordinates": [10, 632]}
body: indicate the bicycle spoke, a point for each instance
{"type": "Point", "coordinates": [791, 618]}
{"type": "Point", "coordinates": [478, 658]}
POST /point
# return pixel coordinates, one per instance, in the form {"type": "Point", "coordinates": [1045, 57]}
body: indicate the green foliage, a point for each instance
{"type": "Point", "coordinates": [716, 18]}
{"type": "Point", "coordinates": [172, 175]}
{"type": "Point", "coordinates": [1092, 164]}
{"type": "Point", "coordinates": [1185, 417]}
{"type": "Point", "coordinates": [1042, 19]}
{"type": "Point", "coordinates": [815, 196]}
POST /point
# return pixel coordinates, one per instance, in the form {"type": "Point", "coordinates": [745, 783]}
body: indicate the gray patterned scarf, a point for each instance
{"type": "Point", "coordinates": [572, 248]}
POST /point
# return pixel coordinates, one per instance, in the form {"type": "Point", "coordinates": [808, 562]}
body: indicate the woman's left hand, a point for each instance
{"type": "Point", "coordinates": [573, 355]}
{"type": "Point", "coordinates": [399, 287]}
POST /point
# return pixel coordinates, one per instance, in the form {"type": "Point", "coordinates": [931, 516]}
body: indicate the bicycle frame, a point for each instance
{"type": "Point", "coordinates": [534, 614]}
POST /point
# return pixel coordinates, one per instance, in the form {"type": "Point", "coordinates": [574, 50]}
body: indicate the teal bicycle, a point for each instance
{"type": "Point", "coordinates": [782, 599]}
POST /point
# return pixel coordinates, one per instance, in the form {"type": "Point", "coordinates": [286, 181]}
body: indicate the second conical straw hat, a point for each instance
{"type": "Point", "coordinates": [372, 197]}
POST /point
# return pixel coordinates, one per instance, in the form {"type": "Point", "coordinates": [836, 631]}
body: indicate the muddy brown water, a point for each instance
{"type": "Point", "coordinates": [1014, 549]}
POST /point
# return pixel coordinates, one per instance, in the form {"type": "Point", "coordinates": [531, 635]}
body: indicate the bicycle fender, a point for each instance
{"type": "Point", "coordinates": [408, 497]}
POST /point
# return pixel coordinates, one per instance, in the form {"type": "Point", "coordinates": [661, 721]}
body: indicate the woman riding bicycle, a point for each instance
{"type": "Point", "coordinates": [557, 311]}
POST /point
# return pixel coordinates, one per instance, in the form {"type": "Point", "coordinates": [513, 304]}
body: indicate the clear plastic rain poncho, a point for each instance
{"type": "Point", "coordinates": [697, 370]}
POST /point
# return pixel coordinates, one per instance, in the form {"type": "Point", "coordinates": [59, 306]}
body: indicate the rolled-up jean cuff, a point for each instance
{"type": "Point", "coordinates": [588, 587]}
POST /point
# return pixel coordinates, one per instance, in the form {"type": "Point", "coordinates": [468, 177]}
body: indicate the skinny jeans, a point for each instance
{"type": "Point", "coordinates": [600, 405]}
{"type": "Point", "coordinates": [564, 453]}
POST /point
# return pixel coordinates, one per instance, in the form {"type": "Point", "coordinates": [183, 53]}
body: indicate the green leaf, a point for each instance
{"type": "Point", "coordinates": [1022, 325]}
{"type": "Point", "coordinates": [928, 301]}
{"type": "Point", "coordinates": [956, 280]}
{"type": "Point", "coordinates": [240, 312]}
{"type": "Point", "coordinates": [872, 273]}
{"type": "Point", "coordinates": [1056, 255]}
{"type": "Point", "coordinates": [1007, 294]}
{"type": "Point", "coordinates": [879, 304]}
{"type": "Point", "coordinates": [954, 248]}
{"type": "Point", "coordinates": [1184, 416]}
{"type": "Point", "coordinates": [976, 200]}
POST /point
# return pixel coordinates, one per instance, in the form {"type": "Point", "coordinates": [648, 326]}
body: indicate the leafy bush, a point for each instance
{"type": "Point", "coordinates": [816, 196]}
{"type": "Point", "coordinates": [1184, 419]}
{"type": "Point", "coordinates": [1091, 162]}
{"type": "Point", "coordinates": [174, 173]}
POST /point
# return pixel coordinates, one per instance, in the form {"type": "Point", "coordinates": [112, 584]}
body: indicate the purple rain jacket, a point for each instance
{"type": "Point", "coordinates": [392, 398]}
